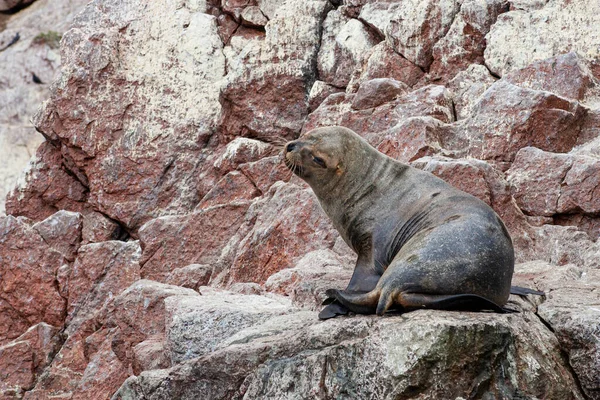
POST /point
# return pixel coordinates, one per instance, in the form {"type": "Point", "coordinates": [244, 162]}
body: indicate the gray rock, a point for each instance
{"type": "Point", "coordinates": [426, 353]}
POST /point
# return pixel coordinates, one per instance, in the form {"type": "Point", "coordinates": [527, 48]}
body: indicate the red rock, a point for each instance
{"type": "Point", "coordinates": [99, 228]}
{"type": "Point", "coordinates": [312, 275]}
{"type": "Point", "coordinates": [253, 17]}
{"type": "Point", "coordinates": [227, 27]}
{"type": "Point", "coordinates": [47, 187]}
{"type": "Point", "coordinates": [150, 354]}
{"type": "Point", "coordinates": [414, 138]}
{"type": "Point", "coordinates": [546, 183]}
{"type": "Point", "coordinates": [465, 42]}
{"type": "Point", "coordinates": [142, 298]}
{"type": "Point", "coordinates": [240, 151]}
{"type": "Point", "coordinates": [586, 223]}
{"type": "Point", "coordinates": [581, 187]}
{"type": "Point", "coordinates": [566, 75]}
{"type": "Point", "coordinates": [536, 177]}
{"type": "Point", "coordinates": [376, 92]}
{"type": "Point", "coordinates": [279, 228]}
{"type": "Point", "coordinates": [508, 118]}
{"type": "Point", "coordinates": [233, 187]}
{"type": "Point", "coordinates": [28, 267]}
{"type": "Point", "coordinates": [173, 242]}
{"type": "Point", "coordinates": [319, 92]}
{"type": "Point", "coordinates": [384, 62]}
{"type": "Point", "coordinates": [265, 94]}
{"type": "Point", "coordinates": [16, 366]}
{"type": "Point", "coordinates": [265, 172]}
{"type": "Point", "coordinates": [236, 7]}
{"type": "Point", "coordinates": [590, 133]}
{"type": "Point", "coordinates": [372, 124]}
{"type": "Point", "coordinates": [101, 271]}
{"type": "Point", "coordinates": [344, 43]}
{"type": "Point", "coordinates": [191, 276]}
{"type": "Point", "coordinates": [467, 87]}
{"type": "Point", "coordinates": [24, 359]}
{"type": "Point", "coordinates": [62, 231]}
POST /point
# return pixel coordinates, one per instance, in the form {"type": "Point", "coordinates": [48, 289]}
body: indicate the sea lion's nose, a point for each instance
{"type": "Point", "coordinates": [290, 147]}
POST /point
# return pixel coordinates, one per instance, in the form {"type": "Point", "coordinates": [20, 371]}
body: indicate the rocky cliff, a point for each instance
{"type": "Point", "coordinates": [156, 247]}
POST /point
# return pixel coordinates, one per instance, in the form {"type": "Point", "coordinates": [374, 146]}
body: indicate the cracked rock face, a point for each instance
{"type": "Point", "coordinates": [156, 247]}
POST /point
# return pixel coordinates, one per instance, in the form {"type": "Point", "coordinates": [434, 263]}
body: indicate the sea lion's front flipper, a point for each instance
{"type": "Point", "coordinates": [333, 309]}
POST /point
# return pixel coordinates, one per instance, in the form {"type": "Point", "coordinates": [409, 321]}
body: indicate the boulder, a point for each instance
{"type": "Point", "coordinates": [344, 44]}
{"type": "Point", "coordinates": [362, 357]}
{"type": "Point", "coordinates": [523, 36]}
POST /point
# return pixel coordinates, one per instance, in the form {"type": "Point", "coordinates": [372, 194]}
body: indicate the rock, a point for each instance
{"type": "Point", "coordinates": [111, 141]}
{"type": "Point", "coordinates": [376, 92]}
{"type": "Point", "coordinates": [172, 242]}
{"type": "Point", "coordinates": [562, 245]}
{"type": "Point", "coordinates": [29, 40]}
{"type": "Point", "coordinates": [522, 37]}
{"type": "Point", "coordinates": [265, 172]}
{"type": "Point", "coordinates": [384, 62]}
{"type": "Point", "coordinates": [62, 231]}
{"type": "Point", "coordinates": [278, 229]}
{"type": "Point", "coordinates": [536, 177]}
{"type": "Point", "coordinates": [191, 276]}
{"type": "Point", "coordinates": [280, 68]}
{"type": "Point", "coordinates": [565, 75]}
{"type": "Point", "coordinates": [412, 27]}
{"type": "Point", "coordinates": [570, 311]}
{"type": "Point", "coordinates": [24, 359]}
{"type": "Point", "coordinates": [28, 279]}
{"type": "Point", "coordinates": [414, 138]}
{"type": "Point", "coordinates": [467, 87]}
{"type": "Point", "coordinates": [47, 186]}
{"type": "Point", "coordinates": [239, 151]}
{"type": "Point", "coordinates": [464, 43]}
{"type": "Point", "coordinates": [546, 183]}
{"type": "Point", "coordinates": [507, 118]}
{"type": "Point", "coordinates": [100, 353]}
{"type": "Point", "coordinates": [197, 325]}
{"type": "Point", "coordinates": [233, 187]}
{"type": "Point", "coordinates": [99, 228]}
{"type": "Point", "coordinates": [362, 357]}
{"type": "Point", "coordinates": [101, 271]}
{"type": "Point", "coordinates": [432, 100]}
{"type": "Point", "coordinates": [344, 43]}
{"type": "Point", "coordinates": [319, 92]}
{"type": "Point", "coordinates": [252, 16]}
{"type": "Point", "coordinates": [313, 274]}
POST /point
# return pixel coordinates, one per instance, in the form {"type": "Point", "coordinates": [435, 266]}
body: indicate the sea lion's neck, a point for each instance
{"type": "Point", "coordinates": [348, 201]}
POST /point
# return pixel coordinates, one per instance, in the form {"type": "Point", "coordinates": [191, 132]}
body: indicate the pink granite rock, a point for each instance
{"type": "Point", "coordinates": [508, 118]}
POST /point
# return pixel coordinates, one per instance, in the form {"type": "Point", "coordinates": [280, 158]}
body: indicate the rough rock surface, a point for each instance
{"type": "Point", "coordinates": [156, 246]}
{"type": "Point", "coordinates": [29, 42]}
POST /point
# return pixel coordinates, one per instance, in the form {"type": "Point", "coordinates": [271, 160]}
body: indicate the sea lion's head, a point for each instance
{"type": "Point", "coordinates": [318, 155]}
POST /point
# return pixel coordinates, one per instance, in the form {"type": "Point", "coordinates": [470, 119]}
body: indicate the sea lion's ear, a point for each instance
{"type": "Point", "coordinates": [339, 169]}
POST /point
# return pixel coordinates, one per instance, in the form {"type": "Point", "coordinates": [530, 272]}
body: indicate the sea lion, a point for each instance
{"type": "Point", "coordinates": [421, 243]}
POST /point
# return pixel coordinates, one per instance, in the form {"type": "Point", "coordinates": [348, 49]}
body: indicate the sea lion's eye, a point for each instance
{"type": "Point", "coordinates": [319, 161]}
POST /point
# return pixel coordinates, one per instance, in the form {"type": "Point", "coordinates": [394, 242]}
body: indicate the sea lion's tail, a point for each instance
{"type": "Point", "coordinates": [522, 291]}
{"type": "Point", "coordinates": [358, 302]}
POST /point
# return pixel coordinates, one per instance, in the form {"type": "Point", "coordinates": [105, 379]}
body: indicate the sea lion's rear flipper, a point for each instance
{"type": "Point", "coordinates": [333, 309]}
{"type": "Point", "coordinates": [463, 302]}
{"type": "Point", "coordinates": [358, 302]}
{"type": "Point", "coordinates": [521, 291]}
